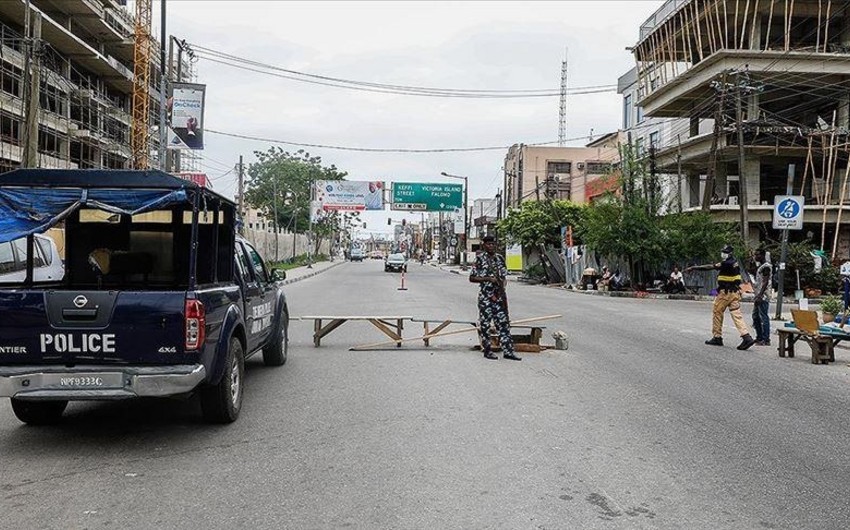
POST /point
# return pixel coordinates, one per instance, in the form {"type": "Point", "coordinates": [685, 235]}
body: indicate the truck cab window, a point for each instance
{"type": "Point", "coordinates": [259, 267]}
{"type": "Point", "coordinates": [7, 259]}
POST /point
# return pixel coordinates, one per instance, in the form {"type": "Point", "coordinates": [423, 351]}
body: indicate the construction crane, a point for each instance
{"type": "Point", "coordinates": [143, 47]}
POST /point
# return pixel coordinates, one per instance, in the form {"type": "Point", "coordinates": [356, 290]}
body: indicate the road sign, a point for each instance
{"type": "Point", "coordinates": [422, 197]}
{"type": "Point", "coordinates": [788, 212]}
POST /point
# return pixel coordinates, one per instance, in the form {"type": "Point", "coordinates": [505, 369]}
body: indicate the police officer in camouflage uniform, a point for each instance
{"type": "Point", "coordinates": [489, 271]}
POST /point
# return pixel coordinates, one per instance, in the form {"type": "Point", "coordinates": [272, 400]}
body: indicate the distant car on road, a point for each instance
{"type": "Point", "coordinates": [357, 254]}
{"type": "Point", "coordinates": [395, 262]}
{"type": "Point", "coordinates": [376, 254]}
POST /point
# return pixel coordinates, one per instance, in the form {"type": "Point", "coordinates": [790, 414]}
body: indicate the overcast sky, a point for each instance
{"type": "Point", "coordinates": [476, 45]}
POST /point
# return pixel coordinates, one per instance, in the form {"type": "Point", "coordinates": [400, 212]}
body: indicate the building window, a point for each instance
{"type": "Point", "coordinates": [10, 129]}
{"type": "Point", "coordinates": [10, 79]}
{"type": "Point", "coordinates": [639, 147]}
{"type": "Point", "coordinates": [627, 111]}
{"type": "Point", "coordinates": [653, 140]}
{"type": "Point", "coordinates": [48, 142]}
{"type": "Point", "coordinates": [562, 168]}
{"type": "Point", "coordinates": [640, 115]}
{"type": "Point", "coordinates": [598, 168]}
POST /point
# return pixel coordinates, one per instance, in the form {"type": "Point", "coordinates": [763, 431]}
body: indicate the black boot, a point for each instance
{"type": "Point", "coordinates": [715, 341]}
{"type": "Point", "coordinates": [512, 356]}
{"type": "Point", "coordinates": [746, 341]}
{"type": "Point", "coordinates": [490, 355]}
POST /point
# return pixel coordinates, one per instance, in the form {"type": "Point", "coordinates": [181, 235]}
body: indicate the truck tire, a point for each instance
{"type": "Point", "coordinates": [275, 352]}
{"type": "Point", "coordinates": [38, 412]}
{"type": "Point", "coordinates": [221, 403]}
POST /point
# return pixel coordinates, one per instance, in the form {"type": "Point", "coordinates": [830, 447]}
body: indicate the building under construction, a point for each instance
{"type": "Point", "coordinates": [736, 91]}
{"type": "Point", "coordinates": [81, 57]}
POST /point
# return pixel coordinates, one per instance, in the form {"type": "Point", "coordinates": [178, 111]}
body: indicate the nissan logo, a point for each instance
{"type": "Point", "coordinates": [80, 301]}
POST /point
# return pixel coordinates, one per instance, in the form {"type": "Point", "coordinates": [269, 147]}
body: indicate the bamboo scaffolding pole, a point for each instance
{"type": "Point", "coordinates": [806, 168]}
{"type": "Point", "coordinates": [711, 27]}
{"type": "Point", "coordinates": [786, 42]}
{"type": "Point", "coordinates": [686, 40]}
{"type": "Point", "coordinates": [743, 23]}
{"type": "Point", "coordinates": [447, 333]}
{"type": "Point", "coordinates": [699, 30]}
{"type": "Point", "coordinates": [725, 26]}
{"type": "Point", "coordinates": [820, 14]}
{"type": "Point", "coordinates": [671, 51]}
{"type": "Point", "coordinates": [753, 29]}
{"type": "Point", "coordinates": [735, 25]}
{"type": "Point", "coordinates": [828, 192]}
{"type": "Point", "coordinates": [826, 25]}
{"type": "Point", "coordinates": [769, 23]}
{"type": "Point", "coordinates": [720, 36]}
{"type": "Point", "coordinates": [840, 209]}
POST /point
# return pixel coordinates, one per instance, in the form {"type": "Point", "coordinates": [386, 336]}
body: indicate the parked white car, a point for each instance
{"type": "Point", "coordinates": [47, 265]}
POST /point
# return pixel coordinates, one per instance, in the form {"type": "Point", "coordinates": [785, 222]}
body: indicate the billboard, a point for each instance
{"type": "Point", "coordinates": [186, 116]}
{"type": "Point", "coordinates": [200, 179]}
{"type": "Point", "coordinates": [350, 195]}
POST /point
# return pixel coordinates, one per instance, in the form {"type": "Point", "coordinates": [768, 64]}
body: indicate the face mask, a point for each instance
{"type": "Point", "coordinates": [724, 256]}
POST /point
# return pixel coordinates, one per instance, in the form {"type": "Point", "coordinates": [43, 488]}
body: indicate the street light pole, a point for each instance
{"type": "Point", "coordinates": [465, 212]}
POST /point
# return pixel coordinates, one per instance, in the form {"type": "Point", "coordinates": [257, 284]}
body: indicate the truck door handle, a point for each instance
{"type": "Point", "coordinates": [79, 314]}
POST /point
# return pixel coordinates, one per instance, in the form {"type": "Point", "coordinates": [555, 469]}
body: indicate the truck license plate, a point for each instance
{"type": "Point", "coordinates": [92, 380]}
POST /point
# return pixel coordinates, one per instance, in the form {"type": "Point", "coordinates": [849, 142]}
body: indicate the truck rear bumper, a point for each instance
{"type": "Point", "coordinates": [98, 382]}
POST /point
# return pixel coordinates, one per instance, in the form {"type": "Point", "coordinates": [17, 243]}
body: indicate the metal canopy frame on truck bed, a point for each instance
{"type": "Point", "coordinates": [34, 200]}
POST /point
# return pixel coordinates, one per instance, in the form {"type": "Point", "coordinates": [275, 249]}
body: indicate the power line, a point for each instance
{"type": "Point", "coordinates": [381, 149]}
{"type": "Point", "coordinates": [276, 71]}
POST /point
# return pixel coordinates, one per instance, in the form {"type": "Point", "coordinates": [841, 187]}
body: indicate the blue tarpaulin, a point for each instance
{"type": "Point", "coordinates": [25, 211]}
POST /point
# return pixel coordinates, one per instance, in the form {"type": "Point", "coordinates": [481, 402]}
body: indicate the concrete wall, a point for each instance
{"type": "Point", "coordinates": [264, 242]}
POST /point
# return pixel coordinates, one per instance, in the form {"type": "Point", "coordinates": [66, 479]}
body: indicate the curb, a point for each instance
{"type": "Point", "coordinates": [656, 296]}
{"type": "Point", "coordinates": [310, 275]}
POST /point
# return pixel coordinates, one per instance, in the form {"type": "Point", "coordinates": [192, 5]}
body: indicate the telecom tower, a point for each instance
{"type": "Point", "coordinates": [562, 119]}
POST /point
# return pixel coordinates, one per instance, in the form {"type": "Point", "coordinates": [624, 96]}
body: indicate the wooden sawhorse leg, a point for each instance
{"type": "Point", "coordinates": [319, 332]}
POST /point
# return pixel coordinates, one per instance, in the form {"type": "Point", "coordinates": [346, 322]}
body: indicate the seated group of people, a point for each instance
{"type": "Point", "coordinates": [611, 282]}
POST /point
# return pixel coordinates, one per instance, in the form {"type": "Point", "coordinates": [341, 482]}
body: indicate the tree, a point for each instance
{"type": "Point", "coordinates": [539, 223]}
{"type": "Point", "coordinates": [292, 175]}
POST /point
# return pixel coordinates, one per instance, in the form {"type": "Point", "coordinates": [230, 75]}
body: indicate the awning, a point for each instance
{"type": "Point", "coordinates": [26, 211]}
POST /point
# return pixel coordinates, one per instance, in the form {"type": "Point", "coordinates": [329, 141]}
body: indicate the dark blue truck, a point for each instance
{"type": "Point", "coordinates": [160, 297]}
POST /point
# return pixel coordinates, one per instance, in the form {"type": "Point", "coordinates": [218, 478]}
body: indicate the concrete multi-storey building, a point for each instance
{"type": "Point", "coordinates": [85, 64]}
{"type": "Point", "coordinates": [535, 173]}
{"type": "Point", "coordinates": [788, 66]}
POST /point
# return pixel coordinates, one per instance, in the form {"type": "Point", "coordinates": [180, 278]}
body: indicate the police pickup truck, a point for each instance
{"type": "Point", "coordinates": [158, 297]}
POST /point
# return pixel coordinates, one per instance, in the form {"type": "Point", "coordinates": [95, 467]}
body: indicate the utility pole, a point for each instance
{"type": "Point", "coordinates": [32, 84]}
{"type": "Point", "coordinates": [718, 128]}
{"type": "Point", "coordinates": [163, 95]}
{"type": "Point", "coordinates": [789, 189]}
{"type": "Point", "coordinates": [241, 202]}
{"type": "Point", "coordinates": [310, 237]}
{"type": "Point", "coordinates": [742, 177]}
{"type": "Point", "coordinates": [274, 206]}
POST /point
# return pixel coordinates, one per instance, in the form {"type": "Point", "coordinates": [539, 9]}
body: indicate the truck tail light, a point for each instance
{"type": "Point", "coordinates": [196, 322]}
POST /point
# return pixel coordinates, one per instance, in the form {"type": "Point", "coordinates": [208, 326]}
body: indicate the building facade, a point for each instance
{"type": "Point", "coordinates": [778, 73]}
{"type": "Point", "coordinates": [534, 173]}
{"type": "Point", "coordinates": [84, 60]}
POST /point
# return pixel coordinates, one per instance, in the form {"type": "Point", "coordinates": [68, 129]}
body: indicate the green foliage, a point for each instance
{"type": "Point", "coordinates": [831, 304]}
{"type": "Point", "coordinates": [539, 223]}
{"type": "Point", "coordinates": [800, 259]}
{"type": "Point", "coordinates": [535, 272]}
{"type": "Point", "coordinates": [280, 171]}
{"type": "Point", "coordinates": [694, 237]}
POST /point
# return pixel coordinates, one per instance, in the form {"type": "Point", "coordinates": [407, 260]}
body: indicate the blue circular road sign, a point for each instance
{"type": "Point", "coordinates": [789, 209]}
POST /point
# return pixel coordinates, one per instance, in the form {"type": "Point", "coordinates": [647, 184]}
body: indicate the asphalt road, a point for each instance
{"type": "Point", "coordinates": [637, 425]}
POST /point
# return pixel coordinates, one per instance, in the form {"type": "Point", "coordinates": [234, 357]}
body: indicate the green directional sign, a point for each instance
{"type": "Point", "coordinates": [422, 197]}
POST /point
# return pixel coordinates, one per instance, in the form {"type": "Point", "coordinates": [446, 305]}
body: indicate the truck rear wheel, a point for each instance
{"type": "Point", "coordinates": [221, 403]}
{"type": "Point", "coordinates": [38, 412]}
{"type": "Point", "coordinates": [274, 353]}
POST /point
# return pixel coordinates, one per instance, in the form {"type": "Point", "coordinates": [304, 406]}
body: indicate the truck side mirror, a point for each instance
{"type": "Point", "coordinates": [278, 275]}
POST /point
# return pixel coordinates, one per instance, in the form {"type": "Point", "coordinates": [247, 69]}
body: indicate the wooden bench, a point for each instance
{"type": "Point", "coordinates": [807, 329]}
{"type": "Point", "coordinates": [391, 326]}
